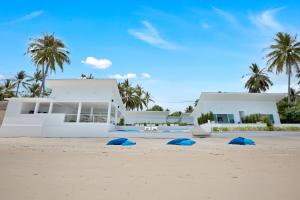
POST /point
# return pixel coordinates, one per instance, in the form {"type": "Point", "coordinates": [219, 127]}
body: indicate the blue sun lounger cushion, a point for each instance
{"type": "Point", "coordinates": [121, 141]}
{"type": "Point", "coordinates": [128, 143]}
{"type": "Point", "coordinates": [182, 142]}
{"type": "Point", "coordinates": [242, 141]}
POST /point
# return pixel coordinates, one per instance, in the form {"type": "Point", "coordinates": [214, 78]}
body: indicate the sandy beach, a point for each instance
{"type": "Point", "coordinates": [61, 168]}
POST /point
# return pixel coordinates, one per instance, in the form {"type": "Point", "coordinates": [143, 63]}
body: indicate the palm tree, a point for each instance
{"type": "Point", "coordinates": [129, 99]}
{"type": "Point", "coordinates": [8, 87]}
{"type": "Point", "coordinates": [20, 79]}
{"type": "Point", "coordinates": [140, 100]}
{"type": "Point", "coordinates": [294, 95]}
{"type": "Point", "coordinates": [284, 54]}
{"type": "Point", "coordinates": [34, 90]}
{"type": "Point", "coordinates": [189, 109]}
{"type": "Point", "coordinates": [37, 77]}
{"type": "Point", "coordinates": [258, 81]}
{"type": "Point", "coordinates": [48, 52]}
{"type": "Point", "coordinates": [148, 99]}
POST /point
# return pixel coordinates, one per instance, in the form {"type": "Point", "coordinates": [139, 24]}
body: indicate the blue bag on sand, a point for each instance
{"type": "Point", "coordinates": [118, 141]}
{"type": "Point", "coordinates": [187, 142]}
{"type": "Point", "coordinates": [177, 141]}
{"type": "Point", "coordinates": [182, 142]}
{"type": "Point", "coordinates": [242, 141]}
{"type": "Point", "coordinates": [128, 143]}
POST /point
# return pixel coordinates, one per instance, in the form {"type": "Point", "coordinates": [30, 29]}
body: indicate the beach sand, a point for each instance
{"type": "Point", "coordinates": [56, 168]}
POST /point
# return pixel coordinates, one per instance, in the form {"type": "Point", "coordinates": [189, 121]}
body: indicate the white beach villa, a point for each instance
{"type": "Point", "coordinates": [231, 108]}
{"type": "Point", "coordinates": [77, 108]}
{"type": "Point", "coordinates": [93, 108]}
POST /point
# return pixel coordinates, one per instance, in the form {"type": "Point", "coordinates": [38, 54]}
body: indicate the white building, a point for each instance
{"type": "Point", "coordinates": [75, 108]}
{"type": "Point", "coordinates": [93, 108]}
{"type": "Point", "coordinates": [233, 107]}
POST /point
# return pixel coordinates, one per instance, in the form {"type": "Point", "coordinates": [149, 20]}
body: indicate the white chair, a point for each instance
{"type": "Point", "coordinates": [147, 128]}
{"type": "Point", "coordinates": [154, 128]}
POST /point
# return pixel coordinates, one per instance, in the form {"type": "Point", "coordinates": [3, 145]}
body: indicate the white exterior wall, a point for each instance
{"type": "Point", "coordinates": [233, 107]}
{"type": "Point", "coordinates": [16, 124]}
{"type": "Point", "coordinates": [135, 117]}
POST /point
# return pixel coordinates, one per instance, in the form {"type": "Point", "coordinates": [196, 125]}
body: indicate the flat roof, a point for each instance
{"type": "Point", "coordinates": [240, 96]}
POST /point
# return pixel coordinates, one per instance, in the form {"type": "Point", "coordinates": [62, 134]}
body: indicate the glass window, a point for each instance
{"type": "Point", "coordinates": [44, 107]}
{"type": "Point", "coordinates": [28, 108]}
{"type": "Point", "coordinates": [69, 109]}
{"type": "Point", "coordinates": [94, 112]}
{"type": "Point", "coordinates": [224, 118]}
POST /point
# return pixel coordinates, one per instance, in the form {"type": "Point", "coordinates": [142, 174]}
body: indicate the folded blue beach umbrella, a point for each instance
{"type": "Point", "coordinates": [121, 141]}
{"type": "Point", "coordinates": [182, 142]}
{"type": "Point", "coordinates": [242, 141]}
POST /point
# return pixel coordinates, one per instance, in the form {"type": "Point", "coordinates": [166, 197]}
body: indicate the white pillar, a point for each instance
{"type": "Point", "coordinates": [91, 114]}
{"type": "Point", "coordinates": [36, 108]}
{"type": "Point", "coordinates": [108, 113]}
{"type": "Point", "coordinates": [116, 117]}
{"type": "Point", "coordinates": [78, 112]}
{"type": "Point", "coordinates": [195, 121]}
{"type": "Point", "coordinates": [50, 108]}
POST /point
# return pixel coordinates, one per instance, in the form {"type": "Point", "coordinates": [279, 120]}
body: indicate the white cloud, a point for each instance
{"type": "Point", "coordinates": [226, 15]}
{"type": "Point", "coordinates": [151, 36]}
{"type": "Point", "coordinates": [146, 75]}
{"type": "Point", "coordinates": [122, 77]}
{"type": "Point", "coordinates": [266, 19]}
{"type": "Point", "coordinates": [27, 17]}
{"type": "Point", "coordinates": [2, 77]}
{"type": "Point", "coordinates": [97, 63]}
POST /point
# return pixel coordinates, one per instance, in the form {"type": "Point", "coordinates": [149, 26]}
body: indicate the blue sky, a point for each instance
{"type": "Point", "coordinates": [174, 49]}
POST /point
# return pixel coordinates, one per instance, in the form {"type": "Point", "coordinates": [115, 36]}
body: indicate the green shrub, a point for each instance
{"type": "Point", "coordinates": [121, 123]}
{"type": "Point", "coordinates": [205, 117]}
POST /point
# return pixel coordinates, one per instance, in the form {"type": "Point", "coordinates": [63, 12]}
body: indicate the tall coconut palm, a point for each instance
{"type": "Point", "coordinates": [129, 99]}
{"type": "Point", "coordinates": [48, 52]}
{"type": "Point", "coordinates": [20, 79]}
{"type": "Point", "coordinates": [284, 55]}
{"type": "Point", "coordinates": [148, 99]}
{"type": "Point", "coordinates": [140, 100]}
{"type": "Point", "coordinates": [258, 81]}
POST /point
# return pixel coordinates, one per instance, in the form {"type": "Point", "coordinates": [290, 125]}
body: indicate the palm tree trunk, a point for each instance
{"type": "Point", "coordinates": [44, 80]}
{"type": "Point", "coordinates": [289, 85]}
{"type": "Point", "coordinates": [41, 87]}
{"type": "Point", "coordinates": [17, 92]}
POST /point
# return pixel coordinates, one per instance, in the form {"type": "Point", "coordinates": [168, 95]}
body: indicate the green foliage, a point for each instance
{"type": "Point", "coordinates": [284, 55]}
{"type": "Point", "coordinates": [156, 108]}
{"type": "Point", "coordinates": [253, 118]}
{"type": "Point", "coordinates": [134, 97]}
{"type": "Point", "coordinates": [176, 114]}
{"type": "Point", "coordinates": [289, 114]}
{"type": "Point", "coordinates": [189, 109]}
{"type": "Point", "coordinates": [205, 117]}
{"type": "Point", "coordinates": [122, 122]}
{"type": "Point", "coordinates": [258, 81]}
{"type": "Point", "coordinates": [48, 52]}
{"type": "Point", "coordinates": [266, 128]}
